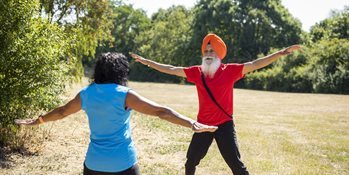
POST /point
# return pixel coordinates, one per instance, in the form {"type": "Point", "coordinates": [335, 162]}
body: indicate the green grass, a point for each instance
{"type": "Point", "coordinates": [278, 133]}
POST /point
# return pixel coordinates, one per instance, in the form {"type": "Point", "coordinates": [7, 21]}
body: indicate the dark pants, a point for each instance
{"type": "Point", "coordinates": [134, 170]}
{"type": "Point", "coordinates": [225, 137]}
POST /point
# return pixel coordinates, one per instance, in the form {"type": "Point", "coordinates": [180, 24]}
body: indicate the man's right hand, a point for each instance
{"type": "Point", "coordinates": [139, 58]}
{"type": "Point", "coordinates": [164, 68]}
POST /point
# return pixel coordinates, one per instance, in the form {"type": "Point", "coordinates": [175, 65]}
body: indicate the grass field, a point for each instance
{"type": "Point", "coordinates": [278, 133]}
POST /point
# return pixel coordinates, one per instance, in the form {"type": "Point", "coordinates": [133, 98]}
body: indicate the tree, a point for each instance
{"type": "Point", "coordinates": [337, 26]}
{"type": "Point", "coordinates": [248, 27]}
{"type": "Point", "coordinates": [129, 23]}
{"type": "Point", "coordinates": [329, 66]}
{"type": "Point", "coordinates": [86, 22]}
{"type": "Point", "coordinates": [288, 74]}
{"type": "Point", "coordinates": [33, 64]}
{"type": "Point", "coordinates": [211, 16]}
{"type": "Point", "coordinates": [166, 41]}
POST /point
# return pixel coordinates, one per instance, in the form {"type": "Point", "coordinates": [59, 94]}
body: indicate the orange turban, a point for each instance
{"type": "Point", "coordinates": [217, 44]}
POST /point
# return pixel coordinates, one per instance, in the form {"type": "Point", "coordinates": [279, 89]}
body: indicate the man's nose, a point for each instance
{"type": "Point", "coordinates": [210, 54]}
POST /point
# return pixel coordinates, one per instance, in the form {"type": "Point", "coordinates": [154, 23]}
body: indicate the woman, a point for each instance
{"type": "Point", "coordinates": [108, 103]}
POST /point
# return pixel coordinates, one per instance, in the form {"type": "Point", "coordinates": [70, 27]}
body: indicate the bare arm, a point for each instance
{"type": "Point", "coordinates": [265, 61]}
{"type": "Point", "coordinates": [71, 107]}
{"type": "Point", "coordinates": [165, 68]}
{"type": "Point", "coordinates": [145, 106]}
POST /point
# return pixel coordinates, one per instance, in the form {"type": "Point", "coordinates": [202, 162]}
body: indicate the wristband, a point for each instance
{"type": "Point", "coordinates": [41, 120]}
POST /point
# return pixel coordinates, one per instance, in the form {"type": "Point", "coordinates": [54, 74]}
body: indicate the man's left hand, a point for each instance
{"type": "Point", "coordinates": [290, 49]}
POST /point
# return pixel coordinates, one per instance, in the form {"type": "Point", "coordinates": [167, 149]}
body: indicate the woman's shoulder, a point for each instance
{"type": "Point", "coordinates": [121, 88]}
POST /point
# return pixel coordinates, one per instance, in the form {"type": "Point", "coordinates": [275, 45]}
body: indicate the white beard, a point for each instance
{"type": "Point", "coordinates": [209, 67]}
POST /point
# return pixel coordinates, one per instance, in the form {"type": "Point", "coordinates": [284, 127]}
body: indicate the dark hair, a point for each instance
{"type": "Point", "coordinates": [111, 67]}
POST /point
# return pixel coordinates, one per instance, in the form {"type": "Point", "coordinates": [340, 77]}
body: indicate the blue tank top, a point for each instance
{"type": "Point", "coordinates": [111, 148]}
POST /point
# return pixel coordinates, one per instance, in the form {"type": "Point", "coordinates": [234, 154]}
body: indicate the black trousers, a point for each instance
{"type": "Point", "coordinates": [134, 170]}
{"type": "Point", "coordinates": [226, 140]}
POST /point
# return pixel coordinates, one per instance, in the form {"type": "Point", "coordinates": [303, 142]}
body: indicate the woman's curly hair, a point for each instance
{"type": "Point", "coordinates": [111, 67]}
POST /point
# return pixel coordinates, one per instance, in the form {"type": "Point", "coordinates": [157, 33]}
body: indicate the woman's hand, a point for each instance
{"type": "Point", "coordinates": [199, 127]}
{"type": "Point", "coordinates": [27, 122]}
{"type": "Point", "coordinates": [37, 121]}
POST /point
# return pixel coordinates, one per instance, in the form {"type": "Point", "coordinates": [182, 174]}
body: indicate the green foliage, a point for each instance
{"type": "Point", "coordinates": [174, 35]}
{"type": "Point", "coordinates": [248, 27]}
{"type": "Point", "coordinates": [321, 68]}
{"type": "Point", "coordinates": [212, 16]}
{"type": "Point", "coordinates": [128, 25]}
{"type": "Point", "coordinates": [337, 26]}
{"type": "Point", "coordinates": [163, 38]}
{"type": "Point", "coordinates": [168, 33]}
{"type": "Point", "coordinates": [329, 67]}
{"type": "Point", "coordinates": [287, 74]}
{"type": "Point", "coordinates": [43, 44]}
{"type": "Point", "coordinates": [87, 23]}
{"type": "Point", "coordinates": [33, 66]}
{"type": "Point", "coordinates": [166, 41]}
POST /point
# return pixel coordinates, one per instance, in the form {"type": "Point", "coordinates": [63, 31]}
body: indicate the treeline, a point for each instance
{"type": "Point", "coordinates": [45, 44]}
{"type": "Point", "coordinates": [251, 29]}
{"type": "Point", "coordinates": [321, 67]}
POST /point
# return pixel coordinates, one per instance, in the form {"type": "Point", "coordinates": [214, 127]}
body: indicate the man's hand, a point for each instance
{"type": "Point", "coordinates": [199, 127]}
{"type": "Point", "coordinates": [139, 58]}
{"type": "Point", "coordinates": [164, 68]}
{"type": "Point", "coordinates": [290, 49]}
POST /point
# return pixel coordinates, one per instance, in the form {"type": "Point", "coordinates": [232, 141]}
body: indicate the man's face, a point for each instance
{"type": "Point", "coordinates": [209, 55]}
{"type": "Point", "coordinates": [210, 62]}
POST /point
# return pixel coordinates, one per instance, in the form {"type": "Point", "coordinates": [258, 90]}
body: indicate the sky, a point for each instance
{"type": "Point", "coordinates": [308, 12]}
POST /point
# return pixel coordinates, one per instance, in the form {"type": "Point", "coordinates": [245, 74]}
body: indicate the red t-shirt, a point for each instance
{"type": "Point", "coordinates": [221, 86]}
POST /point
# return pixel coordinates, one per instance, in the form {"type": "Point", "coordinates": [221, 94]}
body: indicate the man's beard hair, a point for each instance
{"type": "Point", "coordinates": [210, 69]}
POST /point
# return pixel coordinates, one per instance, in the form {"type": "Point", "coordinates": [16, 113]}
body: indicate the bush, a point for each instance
{"type": "Point", "coordinates": [33, 67]}
{"type": "Point", "coordinates": [329, 66]}
{"type": "Point", "coordinates": [287, 74]}
{"type": "Point", "coordinates": [321, 68]}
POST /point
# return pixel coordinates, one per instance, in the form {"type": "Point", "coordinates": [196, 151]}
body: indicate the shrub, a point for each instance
{"type": "Point", "coordinates": [33, 67]}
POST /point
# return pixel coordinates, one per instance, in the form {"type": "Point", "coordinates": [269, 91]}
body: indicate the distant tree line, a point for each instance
{"type": "Point", "coordinates": [251, 29]}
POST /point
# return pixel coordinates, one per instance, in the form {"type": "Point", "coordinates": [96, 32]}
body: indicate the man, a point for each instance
{"type": "Point", "coordinates": [214, 83]}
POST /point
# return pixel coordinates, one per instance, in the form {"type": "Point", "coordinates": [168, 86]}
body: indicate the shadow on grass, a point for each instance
{"type": "Point", "coordinates": [6, 156]}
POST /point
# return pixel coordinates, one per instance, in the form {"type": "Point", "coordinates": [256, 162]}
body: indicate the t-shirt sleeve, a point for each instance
{"type": "Point", "coordinates": [192, 73]}
{"type": "Point", "coordinates": [123, 95]}
{"type": "Point", "coordinates": [235, 70]}
{"type": "Point", "coordinates": [83, 98]}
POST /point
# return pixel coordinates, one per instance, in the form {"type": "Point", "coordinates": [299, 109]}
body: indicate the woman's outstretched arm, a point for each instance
{"type": "Point", "coordinates": [71, 107]}
{"type": "Point", "coordinates": [146, 106]}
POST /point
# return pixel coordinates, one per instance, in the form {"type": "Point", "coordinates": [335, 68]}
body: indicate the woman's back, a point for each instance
{"type": "Point", "coordinates": [111, 148]}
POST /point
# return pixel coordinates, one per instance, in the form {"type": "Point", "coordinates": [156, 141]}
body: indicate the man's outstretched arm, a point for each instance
{"type": "Point", "coordinates": [165, 68]}
{"type": "Point", "coordinates": [265, 61]}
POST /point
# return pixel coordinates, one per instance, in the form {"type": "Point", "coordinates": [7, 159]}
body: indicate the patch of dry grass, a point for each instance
{"type": "Point", "coordinates": [279, 133]}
